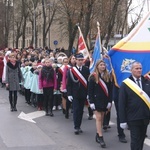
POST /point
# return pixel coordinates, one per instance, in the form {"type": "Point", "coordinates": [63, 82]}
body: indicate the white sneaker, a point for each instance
{"type": "Point", "coordinates": [59, 107]}
{"type": "Point", "coordinates": [54, 107]}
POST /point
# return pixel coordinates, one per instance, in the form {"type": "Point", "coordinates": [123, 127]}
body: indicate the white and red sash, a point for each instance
{"type": "Point", "coordinates": [79, 76]}
{"type": "Point", "coordinates": [135, 88]}
{"type": "Point", "coordinates": [61, 69]}
{"type": "Point", "coordinates": [103, 86]}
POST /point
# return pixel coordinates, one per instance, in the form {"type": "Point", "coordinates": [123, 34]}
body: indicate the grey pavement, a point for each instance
{"type": "Point", "coordinates": [53, 133]}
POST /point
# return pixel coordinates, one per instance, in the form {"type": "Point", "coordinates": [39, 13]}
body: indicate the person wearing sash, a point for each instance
{"type": "Point", "coordinates": [134, 106]}
{"type": "Point", "coordinates": [99, 91]}
{"type": "Point", "coordinates": [77, 90]}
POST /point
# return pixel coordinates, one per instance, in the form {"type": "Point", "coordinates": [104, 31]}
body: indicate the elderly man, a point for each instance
{"type": "Point", "coordinates": [134, 106]}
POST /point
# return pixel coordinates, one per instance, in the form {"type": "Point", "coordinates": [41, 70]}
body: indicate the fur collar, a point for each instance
{"type": "Point", "coordinates": [9, 64]}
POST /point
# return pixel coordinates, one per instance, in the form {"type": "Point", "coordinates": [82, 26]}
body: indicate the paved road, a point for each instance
{"type": "Point", "coordinates": [54, 133]}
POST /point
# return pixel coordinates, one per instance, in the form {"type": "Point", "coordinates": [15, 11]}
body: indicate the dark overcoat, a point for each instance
{"type": "Point", "coordinates": [97, 94]}
{"type": "Point", "coordinates": [76, 89]}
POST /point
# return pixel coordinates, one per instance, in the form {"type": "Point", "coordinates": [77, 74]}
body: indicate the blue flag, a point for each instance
{"type": "Point", "coordinates": [134, 47]}
{"type": "Point", "coordinates": [108, 64]}
{"type": "Point", "coordinates": [97, 53]}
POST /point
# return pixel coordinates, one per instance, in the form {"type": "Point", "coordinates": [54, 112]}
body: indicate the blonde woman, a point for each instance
{"type": "Point", "coordinates": [13, 78]}
{"type": "Point", "coordinates": [99, 91]}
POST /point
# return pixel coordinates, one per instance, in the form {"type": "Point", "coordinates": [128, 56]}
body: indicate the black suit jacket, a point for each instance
{"type": "Point", "coordinates": [131, 106]}
{"type": "Point", "coordinates": [77, 90]}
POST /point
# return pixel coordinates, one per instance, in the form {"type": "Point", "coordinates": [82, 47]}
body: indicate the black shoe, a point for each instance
{"type": "Point", "coordinates": [97, 138]}
{"type": "Point", "coordinates": [80, 130]}
{"type": "Point", "coordinates": [146, 135]}
{"type": "Point", "coordinates": [105, 127]}
{"type": "Point", "coordinates": [76, 131]}
{"type": "Point", "coordinates": [15, 109]}
{"type": "Point", "coordinates": [3, 85]}
{"type": "Point", "coordinates": [11, 109]}
{"type": "Point", "coordinates": [122, 140]}
{"type": "Point", "coordinates": [46, 114]}
{"type": "Point", "coordinates": [102, 143]}
{"type": "Point", "coordinates": [64, 111]}
{"type": "Point", "coordinates": [29, 103]}
{"type": "Point", "coordinates": [66, 116]}
{"type": "Point", "coordinates": [51, 114]}
{"type": "Point", "coordinates": [90, 117]}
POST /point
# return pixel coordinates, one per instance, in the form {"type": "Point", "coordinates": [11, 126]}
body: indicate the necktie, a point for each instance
{"type": "Point", "coordinates": [80, 68]}
{"type": "Point", "coordinates": [138, 82]}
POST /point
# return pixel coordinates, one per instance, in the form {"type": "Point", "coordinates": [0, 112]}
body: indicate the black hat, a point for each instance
{"type": "Point", "coordinates": [79, 56]}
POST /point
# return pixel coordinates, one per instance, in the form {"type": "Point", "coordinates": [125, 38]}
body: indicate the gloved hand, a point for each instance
{"type": "Point", "coordinates": [124, 125]}
{"type": "Point", "coordinates": [70, 98]}
{"type": "Point", "coordinates": [87, 97]}
{"type": "Point", "coordinates": [92, 106]}
{"type": "Point", "coordinates": [108, 106]}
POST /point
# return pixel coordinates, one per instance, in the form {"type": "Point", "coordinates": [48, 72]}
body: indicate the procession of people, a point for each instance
{"type": "Point", "coordinates": [50, 80]}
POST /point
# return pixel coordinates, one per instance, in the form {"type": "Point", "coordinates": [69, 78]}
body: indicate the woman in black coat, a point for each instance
{"type": "Point", "coordinates": [99, 91]}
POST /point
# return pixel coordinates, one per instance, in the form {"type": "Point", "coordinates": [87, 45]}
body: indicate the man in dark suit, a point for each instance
{"type": "Point", "coordinates": [77, 90]}
{"type": "Point", "coordinates": [134, 106]}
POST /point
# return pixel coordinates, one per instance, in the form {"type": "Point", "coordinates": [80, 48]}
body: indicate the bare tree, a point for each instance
{"type": "Point", "coordinates": [32, 7]}
{"type": "Point", "coordinates": [8, 19]}
{"type": "Point", "coordinates": [70, 13]}
{"type": "Point", "coordinates": [25, 13]}
{"type": "Point", "coordinates": [47, 19]}
{"type": "Point", "coordinates": [17, 22]}
{"type": "Point", "coordinates": [112, 19]}
{"type": "Point", "coordinates": [137, 14]}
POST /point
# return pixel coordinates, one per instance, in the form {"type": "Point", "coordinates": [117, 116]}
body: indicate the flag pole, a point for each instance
{"type": "Point", "coordinates": [98, 27]}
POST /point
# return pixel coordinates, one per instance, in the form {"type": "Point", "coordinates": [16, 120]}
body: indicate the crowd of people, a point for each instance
{"type": "Point", "coordinates": [50, 80]}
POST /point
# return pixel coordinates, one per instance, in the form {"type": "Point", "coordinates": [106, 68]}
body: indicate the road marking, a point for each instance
{"type": "Point", "coordinates": [30, 116]}
{"type": "Point", "coordinates": [147, 141]}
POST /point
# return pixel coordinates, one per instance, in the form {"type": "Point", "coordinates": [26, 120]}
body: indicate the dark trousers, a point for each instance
{"type": "Point", "coordinates": [78, 105]}
{"type": "Point", "coordinates": [68, 105]}
{"type": "Point", "coordinates": [115, 98]}
{"type": "Point", "coordinates": [13, 98]}
{"type": "Point", "coordinates": [48, 98]}
{"type": "Point", "coordinates": [27, 95]}
{"type": "Point", "coordinates": [90, 111]}
{"type": "Point", "coordinates": [33, 99]}
{"type": "Point", "coordinates": [119, 129]}
{"type": "Point", "coordinates": [39, 98]}
{"type": "Point", "coordinates": [57, 99]}
{"type": "Point", "coordinates": [137, 132]}
{"type": "Point", "coordinates": [106, 119]}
